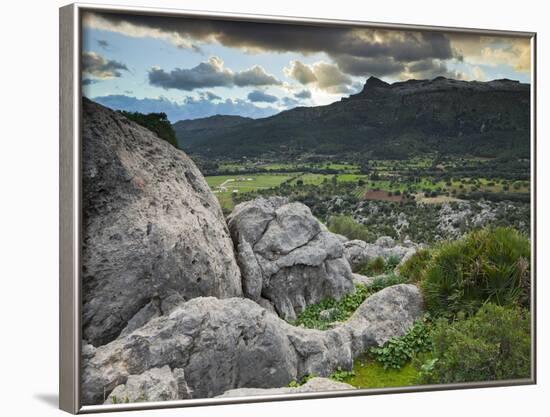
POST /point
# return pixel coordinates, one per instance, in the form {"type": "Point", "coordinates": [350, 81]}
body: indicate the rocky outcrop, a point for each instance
{"type": "Point", "coordinates": [313, 385]}
{"type": "Point", "coordinates": [156, 384]}
{"type": "Point", "coordinates": [359, 252]}
{"type": "Point", "coordinates": [287, 256]}
{"type": "Point", "coordinates": [224, 344]}
{"type": "Point", "coordinates": [152, 229]}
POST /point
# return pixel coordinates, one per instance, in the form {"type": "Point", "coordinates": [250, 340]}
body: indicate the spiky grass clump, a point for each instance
{"type": "Point", "coordinates": [489, 265]}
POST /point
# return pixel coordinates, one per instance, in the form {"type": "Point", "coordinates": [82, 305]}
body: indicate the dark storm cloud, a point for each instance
{"type": "Point", "coordinates": [378, 66]}
{"type": "Point", "coordinates": [303, 94]}
{"type": "Point", "coordinates": [98, 67]}
{"type": "Point", "coordinates": [210, 74]}
{"type": "Point", "coordinates": [258, 96]}
{"type": "Point", "coordinates": [429, 69]}
{"type": "Point", "coordinates": [358, 51]}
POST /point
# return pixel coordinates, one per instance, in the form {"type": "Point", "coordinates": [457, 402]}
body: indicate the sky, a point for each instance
{"type": "Point", "coordinates": [193, 68]}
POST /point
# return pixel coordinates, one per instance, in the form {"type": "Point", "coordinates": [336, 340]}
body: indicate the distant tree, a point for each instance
{"type": "Point", "coordinates": [157, 123]}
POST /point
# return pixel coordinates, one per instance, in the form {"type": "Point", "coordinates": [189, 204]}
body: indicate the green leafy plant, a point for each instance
{"type": "Point", "coordinates": [341, 375]}
{"type": "Point", "coordinates": [489, 265]}
{"type": "Point", "coordinates": [399, 351]}
{"type": "Point", "coordinates": [493, 344]}
{"type": "Point", "coordinates": [341, 309]}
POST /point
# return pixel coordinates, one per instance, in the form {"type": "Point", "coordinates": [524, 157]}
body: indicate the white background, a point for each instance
{"type": "Point", "coordinates": [29, 206]}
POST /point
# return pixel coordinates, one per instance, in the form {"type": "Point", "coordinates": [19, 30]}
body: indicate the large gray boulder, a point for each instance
{"type": "Point", "coordinates": [151, 228]}
{"type": "Point", "coordinates": [287, 257]}
{"type": "Point", "coordinates": [313, 385]}
{"type": "Point", "coordinates": [223, 344]}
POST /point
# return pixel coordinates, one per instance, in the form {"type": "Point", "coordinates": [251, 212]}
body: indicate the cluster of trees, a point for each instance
{"type": "Point", "coordinates": [157, 123]}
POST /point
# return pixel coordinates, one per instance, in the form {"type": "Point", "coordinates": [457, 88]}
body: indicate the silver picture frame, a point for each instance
{"type": "Point", "coordinates": [70, 225]}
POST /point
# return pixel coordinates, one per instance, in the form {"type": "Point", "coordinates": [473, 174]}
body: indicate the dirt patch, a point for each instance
{"type": "Point", "coordinates": [381, 195]}
{"type": "Point", "coordinates": [435, 200]}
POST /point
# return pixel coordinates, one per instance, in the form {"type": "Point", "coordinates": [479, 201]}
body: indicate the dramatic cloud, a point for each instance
{"type": "Point", "coordinates": [321, 75]}
{"type": "Point", "coordinates": [303, 94]}
{"type": "Point", "coordinates": [491, 51]}
{"type": "Point", "coordinates": [358, 51]}
{"type": "Point", "coordinates": [346, 52]}
{"type": "Point", "coordinates": [258, 96]}
{"type": "Point", "coordinates": [189, 108]}
{"type": "Point", "coordinates": [300, 72]}
{"type": "Point", "coordinates": [429, 69]}
{"type": "Point", "coordinates": [210, 74]}
{"type": "Point", "coordinates": [98, 67]}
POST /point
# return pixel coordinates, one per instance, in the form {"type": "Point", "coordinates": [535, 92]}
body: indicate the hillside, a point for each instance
{"type": "Point", "coordinates": [384, 120]}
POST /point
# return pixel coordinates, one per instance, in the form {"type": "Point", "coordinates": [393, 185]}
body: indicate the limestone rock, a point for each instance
{"type": "Point", "coordinates": [358, 252]}
{"type": "Point", "coordinates": [223, 344]}
{"type": "Point", "coordinates": [313, 385]}
{"type": "Point", "coordinates": [151, 227]}
{"type": "Point", "coordinates": [156, 384]}
{"type": "Point", "coordinates": [287, 256]}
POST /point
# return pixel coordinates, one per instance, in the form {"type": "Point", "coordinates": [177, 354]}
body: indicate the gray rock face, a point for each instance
{"type": "Point", "coordinates": [156, 384]}
{"type": "Point", "coordinates": [358, 252]}
{"type": "Point", "coordinates": [313, 385]}
{"type": "Point", "coordinates": [286, 256]}
{"type": "Point", "coordinates": [151, 227]}
{"type": "Point", "coordinates": [223, 344]}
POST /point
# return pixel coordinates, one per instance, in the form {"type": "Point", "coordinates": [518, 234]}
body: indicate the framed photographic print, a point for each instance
{"type": "Point", "coordinates": [260, 208]}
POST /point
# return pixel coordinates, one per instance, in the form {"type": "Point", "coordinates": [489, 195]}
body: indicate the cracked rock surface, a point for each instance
{"type": "Point", "coordinates": [359, 252]}
{"type": "Point", "coordinates": [156, 384]}
{"type": "Point", "coordinates": [224, 344]}
{"type": "Point", "coordinates": [152, 229]}
{"type": "Point", "coordinates": [287, 257]}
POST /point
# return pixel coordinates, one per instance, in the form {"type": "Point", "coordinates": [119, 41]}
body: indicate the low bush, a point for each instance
{"type": "Point", "coordinates": [346, 226]}
{"type": "Point", "coordinates": [488, 265]}
{"type": "Point", "coordinates": [378, 266]}
{"type": "Point", "coordinates": [494, 344]}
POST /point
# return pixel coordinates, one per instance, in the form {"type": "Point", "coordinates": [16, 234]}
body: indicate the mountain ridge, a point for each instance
{"type": "Point", "coordinates": [383, 121]}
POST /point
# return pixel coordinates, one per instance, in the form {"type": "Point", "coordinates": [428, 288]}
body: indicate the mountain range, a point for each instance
{"type": "Point", "coordinates": [384, 120]}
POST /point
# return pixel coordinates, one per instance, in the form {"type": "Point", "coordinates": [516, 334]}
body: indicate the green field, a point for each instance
{"type": "Point", "coordinates": [226, 185]}
{"type": "Point", "coordinates": [424, 178]}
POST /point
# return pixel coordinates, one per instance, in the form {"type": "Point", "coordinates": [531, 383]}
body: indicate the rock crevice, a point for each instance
{"type": "Point", "coordinates": [287, 256]}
